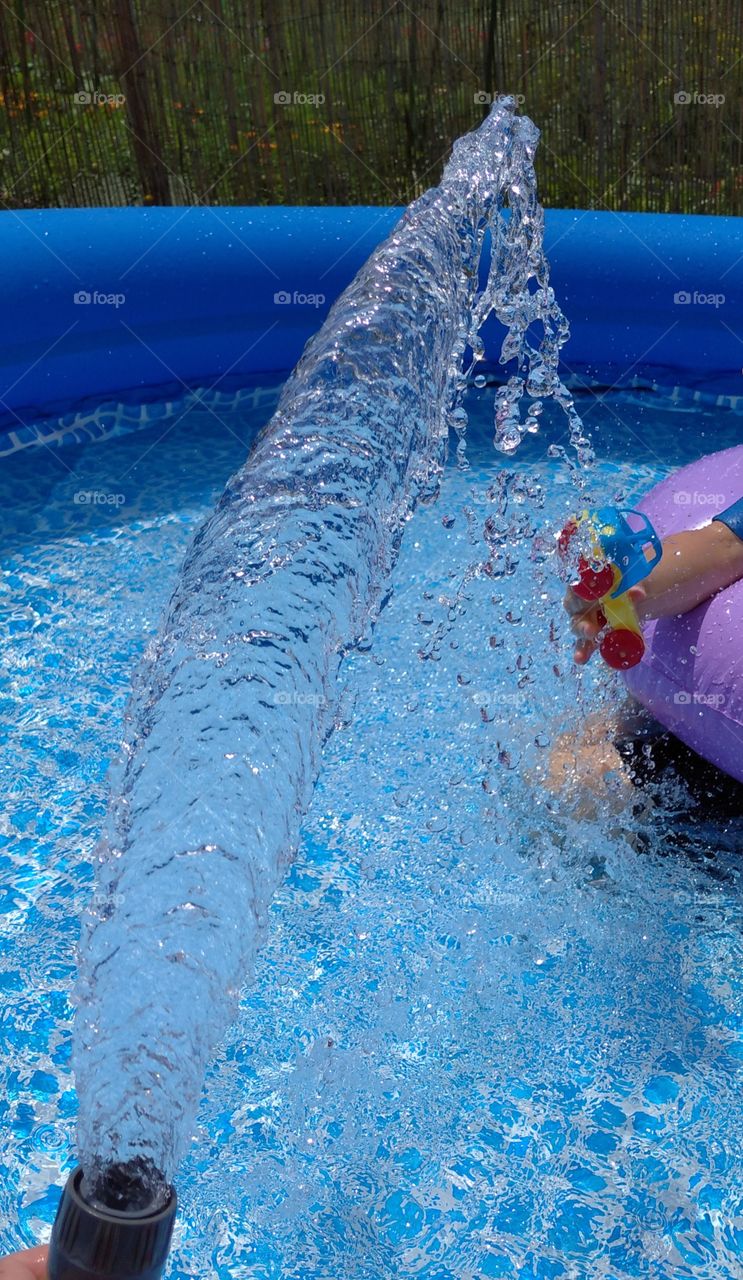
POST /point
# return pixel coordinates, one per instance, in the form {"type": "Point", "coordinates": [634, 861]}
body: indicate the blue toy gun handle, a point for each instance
{"type": "Point", "coordinates": [635, 551]}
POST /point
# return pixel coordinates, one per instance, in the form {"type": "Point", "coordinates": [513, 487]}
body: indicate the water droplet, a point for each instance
{"type": "Point", "coordinates": [508, 440]}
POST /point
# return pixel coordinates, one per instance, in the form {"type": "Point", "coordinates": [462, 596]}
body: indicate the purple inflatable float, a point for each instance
{"type": "Point", "coordinates": [691, 676]}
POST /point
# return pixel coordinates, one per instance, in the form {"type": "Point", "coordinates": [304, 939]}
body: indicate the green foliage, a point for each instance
{"type": "Point", "coordinates": [182, 99]}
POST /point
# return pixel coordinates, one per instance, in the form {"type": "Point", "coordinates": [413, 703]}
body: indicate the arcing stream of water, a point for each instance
{"type": "Point", "coordinates": [236, 696]}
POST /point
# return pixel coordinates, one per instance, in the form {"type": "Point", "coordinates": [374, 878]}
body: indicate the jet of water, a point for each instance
{"type": "Point", "coordinates": [236, 696]}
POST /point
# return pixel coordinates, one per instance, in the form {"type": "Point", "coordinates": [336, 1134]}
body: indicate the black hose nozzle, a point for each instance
{"type": "Point", "coordinates": [98, 1242]}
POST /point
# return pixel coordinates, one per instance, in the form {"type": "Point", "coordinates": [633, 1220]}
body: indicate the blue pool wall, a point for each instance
{"type": "Point", "coordinates": [197, 297]}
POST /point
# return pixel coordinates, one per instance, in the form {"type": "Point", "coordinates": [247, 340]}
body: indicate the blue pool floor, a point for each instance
{"type": "Point", "coordinates": [486, 1037]}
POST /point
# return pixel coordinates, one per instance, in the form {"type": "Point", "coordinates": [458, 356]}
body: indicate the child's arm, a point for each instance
{"type": "Point", "coordinates": [696, 564]}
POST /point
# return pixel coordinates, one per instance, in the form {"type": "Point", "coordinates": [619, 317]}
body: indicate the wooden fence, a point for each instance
{"type": "Point", "coordinates": [358, 101]}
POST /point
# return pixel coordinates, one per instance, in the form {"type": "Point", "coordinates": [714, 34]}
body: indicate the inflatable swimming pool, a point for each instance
{"type": "Point", "coordinates": [126, 303]}
{"type": "Point", "coordinates": [146, 304]}
{"type": "Point", "coordinates": [574, 994]}
{"type": "Point", "coordinates": [691, 677]}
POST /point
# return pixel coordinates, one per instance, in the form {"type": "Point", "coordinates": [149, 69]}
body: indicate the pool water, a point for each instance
{"type": "Point", "coordinates": [488, 1036]}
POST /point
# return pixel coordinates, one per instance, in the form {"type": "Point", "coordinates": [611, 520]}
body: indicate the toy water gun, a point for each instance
{"type": "Point", "coordinates": [621, 556]}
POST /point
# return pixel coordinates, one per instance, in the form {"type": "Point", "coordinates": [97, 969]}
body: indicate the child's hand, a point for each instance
{"type": "Point", "coordinates": [585, 624]}
{"type": "Point", "coordinates": [29, 1264]}
{"type": "Point", "coordinates": [695, 565]}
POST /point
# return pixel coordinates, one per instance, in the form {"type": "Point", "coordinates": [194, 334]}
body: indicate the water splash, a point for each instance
{"type": "Point", "coordinates": [236, 696]}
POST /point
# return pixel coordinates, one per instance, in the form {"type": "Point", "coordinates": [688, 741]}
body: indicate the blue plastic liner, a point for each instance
{"type": "Point", "coordinates": [118, 303]}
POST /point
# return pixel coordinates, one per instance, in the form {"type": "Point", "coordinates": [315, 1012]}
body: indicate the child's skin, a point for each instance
{"type": "Point", "coordinates": [29, 1264]}
{"type": "Point", "coordinates": [581, 760]}
{"type": "Point", "coordinates": [695, 564]}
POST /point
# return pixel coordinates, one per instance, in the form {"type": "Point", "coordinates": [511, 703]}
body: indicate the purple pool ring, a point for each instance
{"type": "Point", "coordinates": [691, 677]}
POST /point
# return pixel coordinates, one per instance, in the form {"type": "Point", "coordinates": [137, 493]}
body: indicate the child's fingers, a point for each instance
{"type": "Point", "coordinates": [584, 623]}
{"type": "Point", "coordinates": [29, 1264]}
{"type": "Point", "coordinates": [572, 603]}
{"type": "Point", "coordinates": [638, 595]}
{"type": "Point", "coordinates": [587, 626]}
{"type": "Point", "coordinates": [582, 613]}
{"type": "Point", "coordinates": [583, 650]}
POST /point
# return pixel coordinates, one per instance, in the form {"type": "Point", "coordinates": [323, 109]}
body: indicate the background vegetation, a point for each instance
{"type": "Point", "coordinates": [171, 101]}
